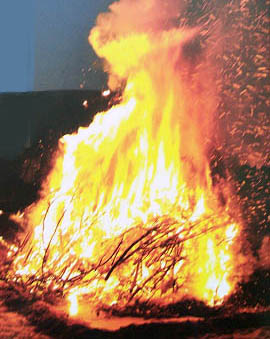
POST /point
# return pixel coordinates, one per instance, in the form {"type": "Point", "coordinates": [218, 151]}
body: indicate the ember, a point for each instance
{"type": "Point", "coordinates": [128, 213]}
{"type": "Point", "coordinates": [85, 103]}
{"type": "Point", "coordinates": [106, 92]}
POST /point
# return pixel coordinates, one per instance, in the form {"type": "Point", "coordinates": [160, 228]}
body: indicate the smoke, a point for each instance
{"type": "Point", "coordinates": [127, 16]}
{"type": "Point", "coordinates": [112, 40]}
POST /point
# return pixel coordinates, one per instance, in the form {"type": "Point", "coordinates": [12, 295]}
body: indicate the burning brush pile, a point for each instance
{"type": "Point", "coordinates": [129, 213]}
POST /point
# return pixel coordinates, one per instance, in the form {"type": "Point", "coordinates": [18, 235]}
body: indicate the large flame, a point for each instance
{"type": "Point", "coordinates": [128, 211]}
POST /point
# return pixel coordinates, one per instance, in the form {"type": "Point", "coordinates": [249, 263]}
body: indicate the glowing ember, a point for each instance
{"type": "Point", "coordinates": [106, 93]}
{"type": "Point", "coordinates": [85, 104]}
{"type": "Point", "coordinates": [128, 212]}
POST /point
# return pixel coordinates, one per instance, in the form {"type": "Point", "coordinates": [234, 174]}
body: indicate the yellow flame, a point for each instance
{"type": "Point", "coordinates": [136, 177]}
{"type": "Point", "coordinates": [73, 304]}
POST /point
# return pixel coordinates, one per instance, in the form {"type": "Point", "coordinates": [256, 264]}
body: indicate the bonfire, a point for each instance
{"type": "Point", "coordinates": [130, 213]}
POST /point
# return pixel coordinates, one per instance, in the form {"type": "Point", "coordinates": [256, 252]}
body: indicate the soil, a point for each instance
{"type": "Point", "coordinates": [15, 325]}
{"type": "Point", "coordinates": [21, 317]}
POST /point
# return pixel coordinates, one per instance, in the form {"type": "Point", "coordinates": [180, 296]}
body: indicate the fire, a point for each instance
{"type": "Point", "coordinates": [128, 212]}
{"type": "Point", "coordinates": [74, 307]}
{"type": "Point", "coordinates": [106, 92]}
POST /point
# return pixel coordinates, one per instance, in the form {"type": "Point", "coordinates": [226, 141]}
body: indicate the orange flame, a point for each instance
{"type": "Point", "coordinates": [128, 210]}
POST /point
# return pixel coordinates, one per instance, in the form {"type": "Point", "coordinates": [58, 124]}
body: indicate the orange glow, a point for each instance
{"type": "Point", "coordinates": [128, 211]}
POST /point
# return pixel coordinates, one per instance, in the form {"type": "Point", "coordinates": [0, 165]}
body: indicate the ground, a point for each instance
{"type": "Point", "coordinates": [14, 325]}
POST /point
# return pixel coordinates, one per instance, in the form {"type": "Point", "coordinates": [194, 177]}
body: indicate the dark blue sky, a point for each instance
{"type": "Point", "coordinates": [62, 48]}
{"type": "Point", "coordinates": [16, 45]}
{"type": "Point", "coordinates": [44, 44]}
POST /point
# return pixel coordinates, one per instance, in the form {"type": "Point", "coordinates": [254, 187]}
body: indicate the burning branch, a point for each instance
{"type": "Point", "coordinates": [149, 259]}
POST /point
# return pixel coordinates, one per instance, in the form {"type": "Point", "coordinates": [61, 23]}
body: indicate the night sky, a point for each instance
{"type": "Point", "coordinates": [44, 45]}
{"type": "Point", "coordinates": [63, 56]}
